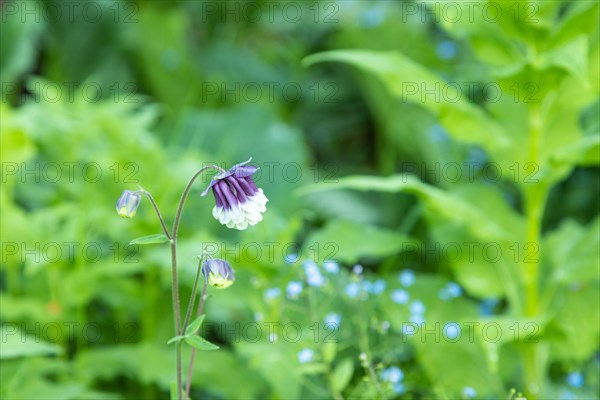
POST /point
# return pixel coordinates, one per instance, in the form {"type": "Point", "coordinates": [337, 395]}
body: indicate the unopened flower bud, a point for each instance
{"type": "Point", "coordinates": [218, 273]}
{"type": "Point", "coordinates": [128, 203]}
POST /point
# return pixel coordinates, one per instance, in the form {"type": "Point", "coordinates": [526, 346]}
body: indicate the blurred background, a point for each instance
{"type": "Point", "coordinates": [432, 171]}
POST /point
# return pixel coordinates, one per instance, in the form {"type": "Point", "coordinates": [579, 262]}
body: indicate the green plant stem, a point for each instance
{"type": "Point", "coordinates": [160, 217]}
{"type": "Point", "coordinates": [365, 349]}
{"type": "Point", "coordinates": [188, 313]}
{"type": "Point", "coordinates": [535, 194]}
{"type": "Point", "coordinates": [188, 383]}
{"type": "Point", "coordinates": [174, 277]}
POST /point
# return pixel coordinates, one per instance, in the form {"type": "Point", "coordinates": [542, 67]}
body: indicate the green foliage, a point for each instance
{"type": "Point", "coordinates": [475, 272]}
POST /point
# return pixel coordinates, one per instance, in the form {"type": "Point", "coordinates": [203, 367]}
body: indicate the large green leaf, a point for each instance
{"type": "Point", "coordinates": [444, 204]}
{"type": "Point", "coordinates": [415, 83]}
{"type": "Point", "coordinates": [348, 242]}
{"type": "Point", "coordinates": [573, 252]}
{"type": "Point", "coordinates": [16, 343]}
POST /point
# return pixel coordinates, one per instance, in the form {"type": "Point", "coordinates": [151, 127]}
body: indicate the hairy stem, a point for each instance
{"type": "Point", "coordinates": [188, 313]}
{"type": "Point", "coordinates": [188, 383]}
{"type": "Point", "coordinates": [160, 217]}
{"type": "Point", "coordinates": [174, 277]}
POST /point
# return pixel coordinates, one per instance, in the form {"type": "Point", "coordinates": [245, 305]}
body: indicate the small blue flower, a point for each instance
{"type": "Point", "coordinates": [332, 320]}
{"type": "Point", "coordinates": [450, 291]}
{"type": "Point", "coordinates": [417, 307]}
{"type": "Point", "coordinates": [357, 269]}
{"type": "Point", "coordinates": [305, 355]}
{"type": "Point", "coordinates": [407, 277]}
{"type": "Point", "coordinates": [352, 289]}
{"type": "Point", "coordinates": [313, 275]}
{"type": "Point", "coordinates": [392, 374]}
{"type": "Point", "coordinates": [378, 286]}
{"type": "Point", "coordinates": [417, 319]}
{"type": "Point", "coordinates": [487, 306]}
{"type": "Point", "coordinates": [400, 296]}
{"type": "Point", "coordinates": [452, 330]}
{"type": "Point", "coordinates": [372, 17]}
{"type": "Point", "coordinates": [398, 388]}
{"type": "Point", "coordinates": [575, 379]}
{"type": "Point", "coordinates": [272, 293]}
{"type": "Point", "coordinates": [294, 288]}
{"type": "Point", "coordinates": [446, 49]}
{"type": "Point", "coordinates": [469, 392]}
{"type": "Point", "coordinates": [567, 395]}
{"type": "Point", "coordinates": [331, 266]}
{"type": "Point", "coordinates": [438, 133]}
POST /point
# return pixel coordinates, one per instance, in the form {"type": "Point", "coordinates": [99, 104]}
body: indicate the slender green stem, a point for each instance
{"type": "Point", "coordinates": [174, 277]}
{"type": "Point", "coordinates": [188, 313]}
{"type": "Point", "coordinates": [188, 383]}
{"type": "Point", "coordinates": [160, 217]}
{"type": "Point", "coordinates": [365, 349]}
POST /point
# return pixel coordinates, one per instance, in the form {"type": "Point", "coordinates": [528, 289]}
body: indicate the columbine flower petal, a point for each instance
{"type": "Point", "coordinates": [238, 202]}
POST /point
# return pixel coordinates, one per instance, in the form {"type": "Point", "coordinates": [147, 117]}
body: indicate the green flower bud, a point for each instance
{"type": "Point", "coordinates": [128, 203]}
{"type": "Point", "coordinates": [218, 273]}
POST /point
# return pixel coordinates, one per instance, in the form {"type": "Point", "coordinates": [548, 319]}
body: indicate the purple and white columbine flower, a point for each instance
{"type": "Point", "coordinates": [239, 202]}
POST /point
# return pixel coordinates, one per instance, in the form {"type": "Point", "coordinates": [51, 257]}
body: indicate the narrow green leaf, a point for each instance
{"type": "Point", "coordinates": [176, 339]}
{"type": "Point", "coordinates": [200, 343]}
{"type": "Point", "coordinates": [150, 239]}
{"type": "Point", "coordinates": [194, 326]}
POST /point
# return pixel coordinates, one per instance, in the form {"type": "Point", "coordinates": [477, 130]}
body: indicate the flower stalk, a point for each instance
{"type": "Point", "coordinates": [239, 203]}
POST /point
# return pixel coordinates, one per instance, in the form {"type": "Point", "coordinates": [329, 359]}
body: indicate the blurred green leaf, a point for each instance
{"type": "Point", "coordinates": [572, 57]}
{"type": "Point", "coordinates": [16, 343]}
{"type": "Point", "coordinates": [409, 81]}
{"type": "Point", "coordinates": [573, 251]}
{"type": "Point", "coordinates": [444, 204]}
{"type": "Point", "coordinates": [348, 242]}
{"type": "Point", "coordinates": [341, 375]}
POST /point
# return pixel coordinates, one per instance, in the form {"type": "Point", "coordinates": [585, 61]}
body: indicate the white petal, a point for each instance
{"type": "Point", "coordinates": [242, 225]}
{"type": "Point", "coordinates": [236, 212]}
{"type": "Point", "coordinates": [217, 212]}
{"type": "Point", "coordinates": [249, 206]}
{"type": "Point", "coordinates": [224, 218]}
